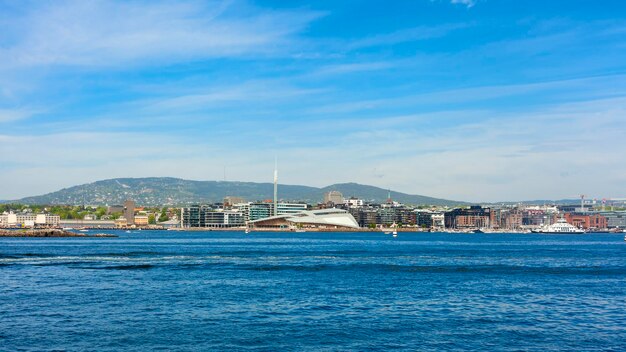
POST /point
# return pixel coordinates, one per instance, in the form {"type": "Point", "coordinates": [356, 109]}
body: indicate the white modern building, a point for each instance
{"type": "Point", "coordinates": [29, 220]}
{"type": "Point", "coordinates": [323, 219]}
{"type": "Point", "coordinates": [290, 208]}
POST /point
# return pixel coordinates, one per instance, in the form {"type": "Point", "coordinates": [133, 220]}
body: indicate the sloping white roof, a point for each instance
{"type": "Point", "coordinates": [333, 217]}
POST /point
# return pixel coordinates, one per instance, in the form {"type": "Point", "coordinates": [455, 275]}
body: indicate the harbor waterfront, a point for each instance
{"type": "Point", "coordinates": [198, 291]}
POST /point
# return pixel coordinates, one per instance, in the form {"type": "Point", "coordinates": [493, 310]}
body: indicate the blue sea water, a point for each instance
{"type": "Point", "coordinates": [203, 291]}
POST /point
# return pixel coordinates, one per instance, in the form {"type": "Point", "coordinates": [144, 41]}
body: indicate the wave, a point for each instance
{"type": "Point", "coordinates": [485, 269]}
{"type": "Point", "coordinates": [123, 267]}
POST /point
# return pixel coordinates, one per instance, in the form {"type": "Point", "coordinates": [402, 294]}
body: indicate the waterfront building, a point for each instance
{"type": "Point", "coordinates": [204, 216]}
{"type": "Point", "coordinates": [258, 211]}
{"type": "Point", "coordinates": [536, 218]}
{"type": "Point", "coordinates": [586, 221]}
{"type": "Point", "coordinates": [365, 217]}
{"type": "Point", "coordinates": [121, 222]}
{"type": "Point", "coordinates": [368, 217]}
{"type": "Point", "coordinates": [141, 220]}
{"type": "Point", "coordinates": [334, 197]}
{"type": "Point", "coordinates": [129, 212]}
{"type": "Point", "coordinates": [406, 216]}
{"type": "Point", "coordinates": [290, 208]}
{"type": "Point", "coordinates": [223, 219]}
{"type": "Point", "coordinates": [29, 220]}
{"type": "Point", "coordinates": [170, 224]}
{"type": "Point", "coordinates": [424, 219]}
{"type": "Point", "coordinates": [193, 216]}
{"type": "Point", "coordinates": [615, 219]}
{"type": "Point", "coordinates": [474, 217]}
{"type": "Point", "coordinates": [386, 216]}
{"type": "Point", "coordinates": [321, 219]}
{"type": "Point", "coordinates": [438, 221]}
{"type": "Point", "coordinates": [511, 219]}
{"type": "Point", "coordinates": [244, 209]}
{"type": "Point", "coordinates": [92, 224]}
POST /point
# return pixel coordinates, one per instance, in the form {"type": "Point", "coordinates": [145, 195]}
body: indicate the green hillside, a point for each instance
{"type": "Point", "coordinates": [155, 191]}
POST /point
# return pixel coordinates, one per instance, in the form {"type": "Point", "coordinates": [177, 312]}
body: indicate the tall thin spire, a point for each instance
{"type": "Point", "coordinates": [276, 186]}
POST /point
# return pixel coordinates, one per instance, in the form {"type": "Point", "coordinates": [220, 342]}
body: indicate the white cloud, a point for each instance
{"type": "Point", "coordinates": [468, 3]}
{"type": "Point", "coordinates": [352, 68]}
{"type": "Point", "coordinates": [550, 153]}
{"type": "Point", "coordinates": [406, 35]}
{"type": "Point", "coordinates": [11, 115]}
{"type": "Point", "coordinates": [111, 33]}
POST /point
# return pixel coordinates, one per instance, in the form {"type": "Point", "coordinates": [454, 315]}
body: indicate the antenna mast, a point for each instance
{"type": "Point", "coordinates": [275, 186]}
{"type": "Point", "coordinates": [582, 203]}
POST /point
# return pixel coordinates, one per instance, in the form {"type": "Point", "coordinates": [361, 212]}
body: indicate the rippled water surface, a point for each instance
{"type": "Point", "coordinates": [324, 292]}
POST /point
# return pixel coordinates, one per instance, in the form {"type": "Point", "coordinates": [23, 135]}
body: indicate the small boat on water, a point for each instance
{"type": "Point", "coordinates": [246, 231]}
{"type": "Point", "coordinates": [395, 233]}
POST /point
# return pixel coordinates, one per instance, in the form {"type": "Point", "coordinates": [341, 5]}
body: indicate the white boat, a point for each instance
{"type": "Point", "coordinates": [561, 226]}
{"type": "Point", "coordinates": [247, 231]}
{"type": "Point", "coordinates": [395, 233]}
{"type": "Point", "coordinates": [300, 230]}
{"type": "Point", "coordinates": [67, 228]}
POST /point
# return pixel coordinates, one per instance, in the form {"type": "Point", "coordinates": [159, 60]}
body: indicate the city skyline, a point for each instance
{"type": "Point", "coordinates": [467, 100]}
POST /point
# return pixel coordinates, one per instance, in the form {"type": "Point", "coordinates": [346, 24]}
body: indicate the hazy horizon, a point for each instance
{"type": "Point", "coordinates": [469, 100]}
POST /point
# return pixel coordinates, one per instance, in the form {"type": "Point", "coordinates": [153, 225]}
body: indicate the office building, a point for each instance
{"type": "Point", "coordinates": [129, 212]}
{"type": "Point", "coordinates": [333, 197]}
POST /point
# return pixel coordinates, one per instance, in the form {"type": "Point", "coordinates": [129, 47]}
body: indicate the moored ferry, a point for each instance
{"type": "Point", "coordinates": [561, 226]}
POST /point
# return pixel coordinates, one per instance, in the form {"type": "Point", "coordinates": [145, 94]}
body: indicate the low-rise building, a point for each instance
{"type": "Point", "coordinates": [204, 216]}
{"type": "Point", "coordinates": [615, 219]}
{"type": "Point", "coordinates": [142, 220]}
{"type": "Point", "coordinates": [586, 221]}
{"type": "Point", "coordinates": [472, 218]}
{"type": "Point", "coordinates": [29, 220]}
{"type": "Point", "coordinates": [91, 224]}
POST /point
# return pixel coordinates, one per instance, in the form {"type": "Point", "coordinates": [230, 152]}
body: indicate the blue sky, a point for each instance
{"type": "Point", "coordinates": [479, 100]}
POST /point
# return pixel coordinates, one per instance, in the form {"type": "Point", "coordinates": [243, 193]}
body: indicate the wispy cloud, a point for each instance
{"type": "Point", "coordinates": [406, 35]}
{"type": "Point", "coordinates": [353, 67]}
{"type": "Point", "coordinates": [588, 88]}
{"type": "Point", "coordinates": [468, 3]}
{"type": "Point", "coordinates": [11, 115]}
{"type": "Point", "coordinates": [109, 33]}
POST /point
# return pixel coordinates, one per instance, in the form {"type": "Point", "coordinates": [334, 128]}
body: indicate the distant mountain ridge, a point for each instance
{"type": "Point", "coordinates": [156, 191]}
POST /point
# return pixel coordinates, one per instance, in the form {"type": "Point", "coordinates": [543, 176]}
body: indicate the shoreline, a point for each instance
{"type": "Point", "coordinates": [50, 233]}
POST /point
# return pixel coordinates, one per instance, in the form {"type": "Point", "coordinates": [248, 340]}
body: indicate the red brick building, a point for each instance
{"type": "Point", "coordinates": [586, 221]}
